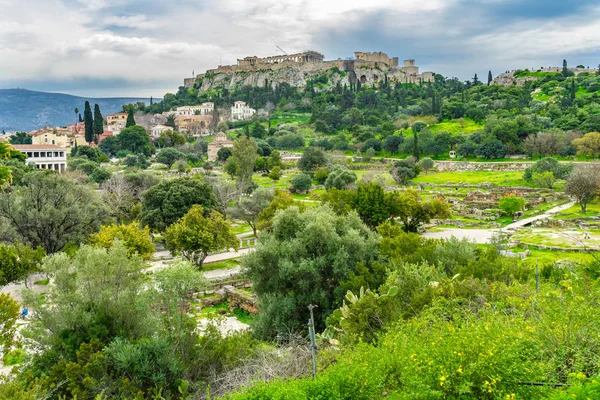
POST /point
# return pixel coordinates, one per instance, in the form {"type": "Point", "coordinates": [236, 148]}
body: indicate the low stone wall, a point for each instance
{"type": "Point", "coordinates": [458, 166]}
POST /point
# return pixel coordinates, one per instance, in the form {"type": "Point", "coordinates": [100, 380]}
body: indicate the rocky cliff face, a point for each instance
{"type": "Point", "coordinates": [323, 75]}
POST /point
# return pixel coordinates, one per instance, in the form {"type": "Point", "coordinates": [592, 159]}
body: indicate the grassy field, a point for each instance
{"type": "Point", "coordinates": [231, 263]}
{"type": "Point", "coordinates": [593, 210]}
{"type": "Point", "coordinates": [475, 177]}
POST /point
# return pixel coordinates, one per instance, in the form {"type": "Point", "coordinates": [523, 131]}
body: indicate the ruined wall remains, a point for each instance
{"type": "Point", "coordinates": [298, 69]}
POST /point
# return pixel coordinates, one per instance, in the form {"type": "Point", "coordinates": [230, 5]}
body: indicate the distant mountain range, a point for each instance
{"type": "Point", "coordinates": [26, 110]}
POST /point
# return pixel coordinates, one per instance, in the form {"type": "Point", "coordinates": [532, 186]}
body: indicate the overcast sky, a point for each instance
{"type": "Point", "coordinates": [147, 47]}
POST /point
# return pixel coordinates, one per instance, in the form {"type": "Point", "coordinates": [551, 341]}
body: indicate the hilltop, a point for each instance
{"type": "Point", "coordinates": [26, 110]}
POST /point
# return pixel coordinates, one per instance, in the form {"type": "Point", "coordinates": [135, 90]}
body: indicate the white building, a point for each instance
{"type": "Point", "coordinates": [44, 156]}
{"type": "Point", "coordinates": [156, 130]}
{"type": "Point", "coordinates": [241, 110]}
{"type": "Point", "coordinates": [202, 109]}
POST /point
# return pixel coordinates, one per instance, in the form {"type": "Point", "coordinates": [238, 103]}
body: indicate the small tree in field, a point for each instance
{"type": "Point", "coordinates": [426, 164]}
{"type": "Point", "coordinates": [511, 204]}
{"type": "Point", "coordinates": [543, 179]}
{"type": "Point", "coordinates": [583, 185]}
{"type": "Point", "coordinates": [302, 183]}
{"type": "Point", "coordinates": [195, 235]}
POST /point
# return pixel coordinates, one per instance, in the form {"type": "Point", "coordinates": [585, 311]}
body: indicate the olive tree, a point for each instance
{"type": "Point", "coordinates": [302, 261]}
{"type": "Point", "coordinates": [248, 208]}
{"type": "Point", "coordinates": [50, 211]}
{"type": "Point", "coordinates": [196, 235]}
{"type": "Point", "coordinates": [583, 185]}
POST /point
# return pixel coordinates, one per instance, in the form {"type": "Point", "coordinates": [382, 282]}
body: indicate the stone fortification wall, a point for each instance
{"type": "Point", "coordinates": [369, 68]}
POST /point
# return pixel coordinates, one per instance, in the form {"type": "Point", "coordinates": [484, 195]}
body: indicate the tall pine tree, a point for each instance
{"type": "Point", "coordinates": [88, 120]}
{"type": "Point", "coordinates": [565, 70]}
{"type": "Point", "coordinates": [98, 123]}
{"type": "Point", "coordinates": [130, 119]}
{"type": "Point", "coordinates": [476, 80]}
{"type": "Point", "coordinates": [490, 79]}
{"type": "Point", "coordinates": [573, 89]}
{"type": "Point", "coordinates": [415, 149]}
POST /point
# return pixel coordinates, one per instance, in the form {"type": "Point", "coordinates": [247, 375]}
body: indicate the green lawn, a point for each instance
{"type": "Point", "coordinates": [231, 263]}
{"type": "Point", "coordinates": [474, 177]}
{"type": "Point", "coordinates": [592, 210]}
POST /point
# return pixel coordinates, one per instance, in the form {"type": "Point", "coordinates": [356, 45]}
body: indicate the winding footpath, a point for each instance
{"type": "Point", "coordinates": [483, 236]}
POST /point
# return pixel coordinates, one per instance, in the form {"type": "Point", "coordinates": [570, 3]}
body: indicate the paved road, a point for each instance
{"type": "Point", "coordinates": [481, 236]}
{"type": "Point", "coordinates": [484, 235]}
{"type": "Point", "coordinates": [521, 223]}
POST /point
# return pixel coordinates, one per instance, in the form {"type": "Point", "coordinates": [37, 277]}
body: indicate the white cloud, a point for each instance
{"type": "Point", "coordinates": [146, 41]}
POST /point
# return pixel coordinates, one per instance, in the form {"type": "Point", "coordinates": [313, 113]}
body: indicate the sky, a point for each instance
{"type": "Point", "coordinates": [103, 48]}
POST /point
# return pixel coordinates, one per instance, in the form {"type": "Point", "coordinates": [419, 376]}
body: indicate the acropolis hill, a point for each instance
{"type": "Point", "coordinates": [297, 69]}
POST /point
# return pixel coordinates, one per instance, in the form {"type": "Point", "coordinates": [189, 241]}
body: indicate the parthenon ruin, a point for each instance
{"type": "Point", "coordinates": [366, 67]}
{"type": "Point", "coordinates": [308, 56]}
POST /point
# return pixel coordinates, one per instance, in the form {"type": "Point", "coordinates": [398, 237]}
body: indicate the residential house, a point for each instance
{"type": "Point", "coordinates": [116, 121]}
{"type": "Point", "coordinates": [156, 130]}
{"type": "Point", "coordinates": [241, 111]}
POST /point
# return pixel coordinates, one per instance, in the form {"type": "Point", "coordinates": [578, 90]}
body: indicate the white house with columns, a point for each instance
{"type": "Point", "coordinates": [44, 156]}
{"type": "Point", "coordinates": [241, 110]}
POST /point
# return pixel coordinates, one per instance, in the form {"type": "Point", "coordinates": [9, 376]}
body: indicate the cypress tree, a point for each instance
{"type": "Point", "coordinates": [476, 80]}
{"type": "Point", "coordinates": [415, 146]}
{"type": "Point", "coordinates": [88, 119]}
{"type": "Point", "coordinates": [573, 89]}
{"type": "Point", "coordinates": [358, 84]}
{"type": "Point", "coordinates": [151, 102]}
{"type": "Point", "coordinates": [565, 70]}
{"type": "Point", "coordinates": [98, 123]}
{"type": "Point", "coordinates": [130, 119]}
{"type": "Point", "coordinates": [490, 79]}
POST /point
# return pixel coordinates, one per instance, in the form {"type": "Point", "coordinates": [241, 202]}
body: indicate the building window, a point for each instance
{"type": "Point", "coordinates": [36, 154]}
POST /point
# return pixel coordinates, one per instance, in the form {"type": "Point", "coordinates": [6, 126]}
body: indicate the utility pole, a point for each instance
{"type": "Point", "coordinates": [313, 344]}
{"type": "Point", "coordinates": [537, 276]}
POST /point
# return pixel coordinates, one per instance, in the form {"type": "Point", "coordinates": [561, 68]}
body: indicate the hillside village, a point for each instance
{"type": "Point", "coordinates": [291, 227]}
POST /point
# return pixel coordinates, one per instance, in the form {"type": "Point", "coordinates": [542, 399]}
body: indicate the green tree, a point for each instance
{"type": "Point", "coordinates": [426, 164]}
{"type": "Point", "coordinates": [171, 199]}
{"type": "Point", "coordinates": [20, 138]}
{"type": "Point", "coordinates": [511, 204]}
{"type": "Point", "coordinates": [88, 120]}
{"type": "Point", "coordinates": [302, 182]}
{"type": "Point", "coordinates": [544, 179]}
{"type": "Point", "coordinates": [340, 178]}
{"type": "Point", "coordinates": [169, 156]}
{"type": "Point", "coordinates": [589, 144]}
{"type": "Point", "coordinates": [404, 170]}
{"type": "Point", "coordinates": [9, 314]}
{"type": "Point", "coordinates": [98, 127]}
{"type": "Point", "coordinates": [282, 200]}
{"type": "Point", "coordinates": [224, 153]}
{"type": "Point", "coordinates": [17, 261]}
{"type": "Point", "coordinates": [275, 174]}
{"type": "Point", "coordinates": [51, 211]}
{"type": "Point", "coordinates": [302, 261]}
{"type": "Point", "coordinates": [243, 160]}
{"type": "Point", "coordinates": [135, 139]}
{"type": "Point", "coordinates": [565, 69]}
{"type": "Point", "coordinates": [170, 138]}
{"type": "Point", "coordinates": [370, 203]}
{"type": "Point", "coordinates": [583, 185]}
{"type": "Point", "coordinates": [248, 208]}
{"type": "Point", "coordinates": [412, 211]}
{"type": "Point", "coordinates": [195, 235]}
{"type": "Point", "coordinates": [137, 240]}
{"type": "Point", "coordinates": [311, 159]}
{"type": "Point", "coordinates": [490, 78]}
{"type": "Point", "coordinates": [130, 119]}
